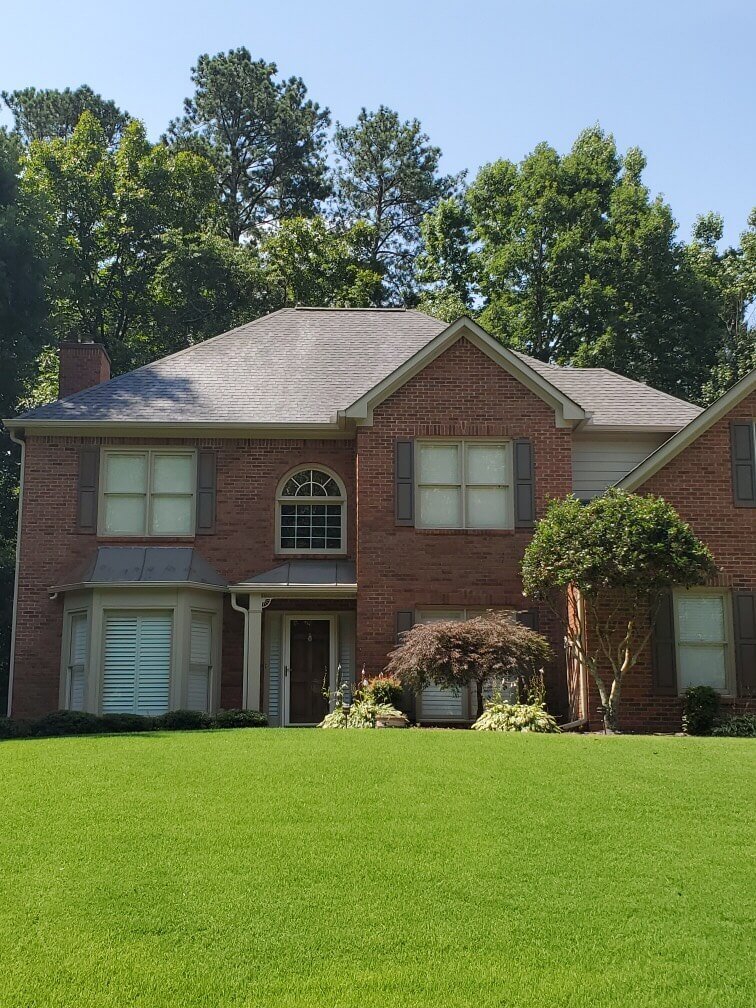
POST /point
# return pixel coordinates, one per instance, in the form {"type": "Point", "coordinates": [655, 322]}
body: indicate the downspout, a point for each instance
{"type": "Point", "coordinates": [241, 609]}
{"type": "Point", "coordinates": [12, 658]}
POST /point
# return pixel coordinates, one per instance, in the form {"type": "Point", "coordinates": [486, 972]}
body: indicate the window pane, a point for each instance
{"type": "Point", "coordinates": [311, 526]}
{"type": "Point", "coordinates": [486, 463]}
{"type": "Point", "coordinates": [702, 666]}
{"type": "Point", "coordinates": [440, 508]}
{"type": "Point", "coordinates": [701, 618]}
{"type": "Point", "coordinates": [439, 464]}
{"type": "Point", "coordinates": [126, 474]}
{"type": "Point", "coordinates": [487, 507]}
{"type": "Point", "coordinates": [125, 515]}
{"type": "Point", "coordinates": [172, 474]}
{"type": "Point", "coordinates": [172, 516]}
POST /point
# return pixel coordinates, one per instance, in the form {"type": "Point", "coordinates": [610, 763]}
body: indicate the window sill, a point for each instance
{"type": "Point", "coordinates": [153, 540]}
{"type": "Point", "coordinates": [466, 532]}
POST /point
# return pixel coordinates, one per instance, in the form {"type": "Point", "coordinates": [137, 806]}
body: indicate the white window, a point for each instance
{"type": "Point", "coordinates": [200, 662]}
{"type": "Point", "coordinates": [464, 484]}
{"type": "Point", "coordinates": [136, 675]}
{"type": "Point", "coordinates": [78, 654]}
{"type": "Point", "coordinates": [148, 493]}
{"type": "Point", "coordinates": [702, 621]}
{"type": "Point", "coordinates": [436, 702]}
{"type": "Point", "coordinates": [311, 513]}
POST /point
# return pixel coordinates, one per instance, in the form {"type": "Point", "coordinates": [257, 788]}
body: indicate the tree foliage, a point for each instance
{"type": "Point", "coordinates": [455, 654]}
{"type": "Point", "coordinates": [264, 138]}
{"type": "Point", "coordinates": [47, 114]}
{"type": "Point", "coordinates": [621, 552]}
{"type": "Point", "coordinates": [387, 174]}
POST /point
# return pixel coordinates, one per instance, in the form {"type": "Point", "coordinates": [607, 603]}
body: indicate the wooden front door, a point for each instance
{"type": "Point", "coordinates": [309, 657]}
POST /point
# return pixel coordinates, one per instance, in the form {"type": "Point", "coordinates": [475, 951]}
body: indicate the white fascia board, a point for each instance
{"type": "Point", "coordinates": [567, 411]}
{"type": "Point", "coordinates": [297, 591]}
{"type": "Point", "coordinates": [690, 433]}
{"type": "Point", "coordinates": [141, 585]}
{"type": "Point", "coordinates": [160, 428]}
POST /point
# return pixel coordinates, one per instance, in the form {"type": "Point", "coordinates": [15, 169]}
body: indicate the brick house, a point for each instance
{"type": "Point", "coordinates": [250, 518]}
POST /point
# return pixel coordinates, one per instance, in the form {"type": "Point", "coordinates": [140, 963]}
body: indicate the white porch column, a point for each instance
{"type": "Point", "coordinates": [254, 653]}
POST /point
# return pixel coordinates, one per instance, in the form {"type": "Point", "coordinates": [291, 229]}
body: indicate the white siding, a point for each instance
{"type": "Point", "coordinates": [137, 668]}
{"type": "Point", "coordinates": [273, 665]}
{"type": "Point", "coordinates": [200, 661]}
{"type": "Point", "coordinates": [598, 462]}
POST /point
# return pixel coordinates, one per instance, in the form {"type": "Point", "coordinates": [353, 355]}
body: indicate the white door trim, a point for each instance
{"type": "Point", "coordinates": [332, 618]}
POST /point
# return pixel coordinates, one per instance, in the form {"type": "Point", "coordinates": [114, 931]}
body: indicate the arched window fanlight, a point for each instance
{"type": "Point", "coordinates": [311, 513]}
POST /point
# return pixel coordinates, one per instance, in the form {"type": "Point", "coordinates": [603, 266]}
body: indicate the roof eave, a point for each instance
{"type": "Point", "coordinates": [334, 428]}
{"type": "Point", "coordinates": [296, 590]}
{"type": "Point", "coordinates": [142, 585]}
{"type": "Point", "coordinates": [689, 433]}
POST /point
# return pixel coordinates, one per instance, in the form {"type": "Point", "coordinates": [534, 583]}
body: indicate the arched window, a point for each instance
{"type": "Point", "coordinates": [311, 513]}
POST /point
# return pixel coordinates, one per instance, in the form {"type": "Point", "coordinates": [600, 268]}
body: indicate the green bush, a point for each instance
{"type": "Point", "coordinates": [122, 723]}
{"type": "Point", "coordinates": [183, 720]}
{"type": "Point", "coordinates": [700, 709]}
{"type": "Point", "coordinates": [738, 726]}
{"type": "Point", "coordinates": [65, 722]}
{"type": "Point", "coordinates": [239, 719]}
{"type": "Point", "coordinates": [13, 729]}
{"type": "Point", "coordinates": [501, 716]}
{"type": "Point", "coordinates": [362, 714]}
{"type": "Point", "coordinates": [383, 689]}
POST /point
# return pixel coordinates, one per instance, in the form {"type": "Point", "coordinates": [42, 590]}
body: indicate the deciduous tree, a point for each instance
{"type": "Point", "coordinates": [621, 552]}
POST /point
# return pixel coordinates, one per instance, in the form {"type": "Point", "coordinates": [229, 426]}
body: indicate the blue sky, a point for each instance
{"type": "Point", "coordinates": [487, 79]}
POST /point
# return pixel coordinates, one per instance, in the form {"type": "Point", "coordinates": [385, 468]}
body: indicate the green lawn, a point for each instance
{"type": "Point", "coordinates": [394, 868]}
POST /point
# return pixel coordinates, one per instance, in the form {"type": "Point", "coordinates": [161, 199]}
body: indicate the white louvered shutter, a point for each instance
{"type": "Point", "coordinates": [200, 662]}
{"type": "Point", "coordinates": [77, 666]}
{"type": "Point", "coordinates": [137, 671]}
{"type": "Point", "coordinates": [437, 704]}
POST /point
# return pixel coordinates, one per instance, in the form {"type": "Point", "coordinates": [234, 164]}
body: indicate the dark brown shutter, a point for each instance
{"type": "Point", "coordinates": [524, 487]}
{"type": "Point", "coordinates": [663, 648]}
{"type": "Point", "coordinates": [404, 482]}
{"type": "Point", "coordinates": [744, 611]}
{"type": "Point", "coordinates": [206, 478]}
{"type": "Point", "coordinates": [743, 464]}
{"type": "Point", "coordinates": [528, 618]}
{"type": "Point", "coordinates": [89, 474]}
{"type": "Point", "coordinates": [405, 620]}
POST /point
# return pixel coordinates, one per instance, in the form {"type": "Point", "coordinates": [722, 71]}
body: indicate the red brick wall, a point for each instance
{"type": "Point", "coordinates": [243, 544]}
{"type": "Point", "coordinates": [461, 393]}
{"type": "Point", "coordinates": [82, 365]}
{"type": "Point", "coordinates": [698, 484]}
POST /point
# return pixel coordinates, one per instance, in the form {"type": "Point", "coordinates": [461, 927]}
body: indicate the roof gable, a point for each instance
{"type": "Point", "coordinates": [690, 433]}
{"type": "Point", "coordinates": [567, 410]}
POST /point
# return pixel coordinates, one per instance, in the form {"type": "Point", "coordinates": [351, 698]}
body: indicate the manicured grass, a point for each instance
{"type": "Point", "coordinates": [395, 868]}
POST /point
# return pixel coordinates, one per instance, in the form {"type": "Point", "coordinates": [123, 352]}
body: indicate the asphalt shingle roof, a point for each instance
{"type": "Point", "coordinates": [302, 365]}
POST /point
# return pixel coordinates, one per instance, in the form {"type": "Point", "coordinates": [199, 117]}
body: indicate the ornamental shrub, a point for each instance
{"type": "Point", "coordinates": [700, 709]}
{"type": "Point", "coordinates": [738, 726]}
{"type": "Point", "coordinates": [64, 722]}
{"type": "Point", "coordinates": [237, 718]}
{"type": "Point", "coordinates": [362, 714]}
{"type": "Point", "coordinates": [382, 689]}
{"type": "Point", "coordinates": [184, 720]}
{"type": "Point", "coordinates": [121, 724]}
{"type": "Point", "coordinates": [501, 716]}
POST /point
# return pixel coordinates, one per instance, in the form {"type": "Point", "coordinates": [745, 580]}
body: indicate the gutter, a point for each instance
{"type": "Point", "coordinates": [12, 658]}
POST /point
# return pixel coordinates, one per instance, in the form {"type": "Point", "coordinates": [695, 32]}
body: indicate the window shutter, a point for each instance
{"type": "Point", "coordinates": [89, 471]}
{"type": "Point", "coordinates": [744, 606]}
{"type": "Point", "coordinates": [405, 620]}
{"type": "Point", "coordinates": [663, 648]}
{"type": "Point", "coordinates": [528, 618]}
{"type": "Point", "coordinates": [137, 668]}
{"type": "Point", "coordinates": [404, 482]}
{"type": "Point", "coordinates": [200, 662]}
{"type": "Point", "coordinates": [78, 662]}
{"type": "Point", "coordinates": [206, 490]}
{"type": "Point", "coordinates": [743, 464]}
{"type": "Point", "coordinates": [524, 487]}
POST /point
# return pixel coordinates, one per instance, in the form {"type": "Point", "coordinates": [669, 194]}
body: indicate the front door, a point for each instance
{"type": "Point", "coordinates": [308, 673]}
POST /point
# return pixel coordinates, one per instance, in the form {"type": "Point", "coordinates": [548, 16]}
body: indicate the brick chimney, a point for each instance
{"type": "Point", "coordinates": [82, 365]}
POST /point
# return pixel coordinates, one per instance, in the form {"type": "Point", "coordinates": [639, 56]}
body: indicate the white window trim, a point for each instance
{"type": "Point", "coordinates": [341, 500]}
{"type": "Point", "coordinates": [103, 494]}
{"type": "Point", "coordinates": [729, 690]}
{"type": "Point", "coordinates": [463, 486]}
